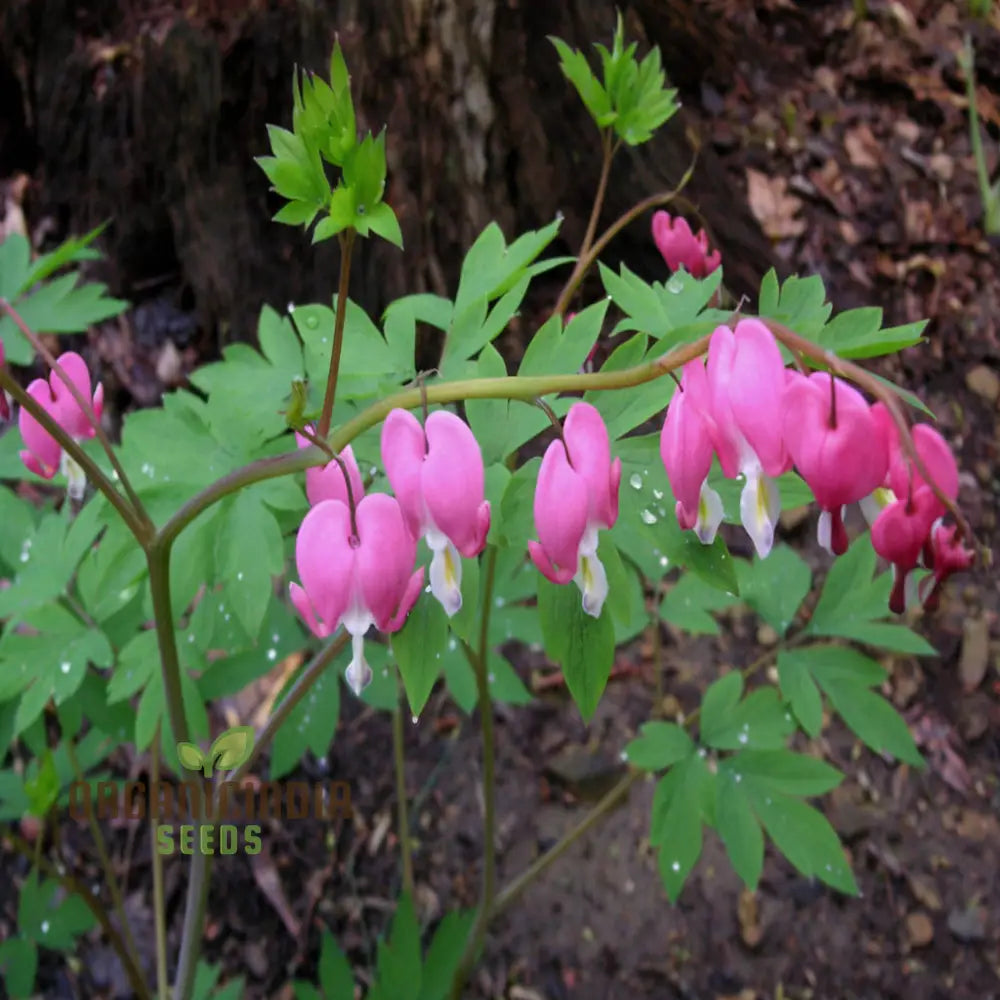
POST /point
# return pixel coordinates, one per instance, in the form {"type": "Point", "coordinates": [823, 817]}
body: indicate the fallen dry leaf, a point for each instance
{"type": "Point", "coordinates": [863, 149]}
{"type": "Point", "coordinates": [919, 929]}
{"type": "Point", "coordinates": [974, 658]}
{"type": "Point", "coordinates": [774, 208]}
{"type": "Point", "coordinates": [265, 874]}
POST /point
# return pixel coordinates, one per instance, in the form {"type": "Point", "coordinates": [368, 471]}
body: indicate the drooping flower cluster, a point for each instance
{"type": "Point", "coordinates": [43, 454]}
{"type": "Point", "coordinates": [760, 419]}
{"type": "Point", "coordinates": [355, 554]}
{"type": "Point", "coordinates": [681, 247]}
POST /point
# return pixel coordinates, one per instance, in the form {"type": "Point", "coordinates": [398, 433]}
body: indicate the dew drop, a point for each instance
{"type": "Point", "coordinates": [676, 866]}
{"type": "Point", "coordinates": [65, 666]}
{"type": "Point", "coordinates": [239, 576]}
{"type": "Point", "coordinates": [452, 644]}
{"type": "Point", "coordinates": [742, 737]}
{"type": "Point", "coordinates": [312, 322]}
{"type": "Point", "coordinates": [272, 654]}
{"type": "Point", "coordinates": [427, 589]}
{"type": "Point", "coordinates": [491, 677]}
{"type": "Point", "coordinates": [414, 719]}
{"type": "Point", "coordinates": [373, 471]}
{"type": "Point", "coordinates": [657, 494]}
{"type": "Point", "coordinates": [290, 307]}
{"type": "Point", "coordinates": [385, 671]}
{"type": "Point", "coordinates": [226, 617]}
{"type": "Point", "coordinates": [499, 602]}
{"type": "Point", "coordinates": [274, 637]}
{"type": "Point", "coordinates": [675, 286]}
{"type": "Point", "coordinates": [664, 561]}
{"type": "Point", "coordinates": [648, 516]}
{"type": "Point", "coordinates": [191, 638]}
{"type": "Point", "coordinates": [45, 927]}
{"type": "Point", "coordinates": [25, 557]}
{"type": "Point", "coordinates": [635, 481]}
{"type": "Point", "coordinates": [737, 778]}
{"type": "Point", "coordinates": [623, 755]}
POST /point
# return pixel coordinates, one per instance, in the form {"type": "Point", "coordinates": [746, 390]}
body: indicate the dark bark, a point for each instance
{"type": "Point", "coordinates": [152, 120]}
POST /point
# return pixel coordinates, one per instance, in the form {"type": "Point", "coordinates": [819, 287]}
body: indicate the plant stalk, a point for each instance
{"type": "Point", "coordinates": [477, 936]}
{"type": "Point", "coordinates": [346, 246]}
{"type": "Point", "coordinates": [403, 819]}
{"type": "Point", "coordinates": [159, 899]}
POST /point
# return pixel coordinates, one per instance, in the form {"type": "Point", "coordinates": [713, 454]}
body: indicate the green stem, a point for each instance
{"type": "Point", "coordinates": [587, 258]}
{"type": "Point", "coordinates": [74, 887]}
{"type": "Point", "coordinates": [991, 204]}
{"type": "Point", "coordinates": [477, 936]}
{"type": "Point", "coordinates": [194, 919]}
{"type": "Point", "coordinates": [104, 858]}
{"type": "Point", "coordinates": [159, 900]}
{"type": "Point", "coordinates": [607, 154]}
{"type": "Point", "coordinates": [403, 819]}
{"type": "Point", "coordinates": [69, 445]}
{"type": "Point", "coordinates": [509, 387]}
{"type": "Point", "coordinates": [346, 246]}
{"type": "Point", "coordinates": [86, 407]}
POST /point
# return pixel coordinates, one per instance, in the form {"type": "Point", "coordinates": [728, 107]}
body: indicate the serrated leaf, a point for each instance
{"type": "Point", "coordinates": [776, 586]}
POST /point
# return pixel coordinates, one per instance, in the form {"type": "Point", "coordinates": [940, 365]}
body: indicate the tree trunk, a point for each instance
{"type": "Point", "coordinates": [151, 118]}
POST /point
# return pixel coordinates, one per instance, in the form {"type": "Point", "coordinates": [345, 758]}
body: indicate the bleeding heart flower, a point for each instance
{"type": "Point", "coordinates": [947, 555]}
{"type": "Point", "coordinates": [576, 496]}
{"type": "Point", "coordinates": [837, 444]}
{"type": "Point", "coordinates": [938, 460]}
{"type": "Point", "coordinates": [682, 248]}
{"type": "Point", "coordinates": [327, 482]}
{"type": "Point", "coordinates": [686, 448]}
{"type": "Point", "coordinates": [355, 580]}
{"type": "Point", "coordinates": [44, 455]}
{"type": "Point", "coordinates": [439, 480]}
{"type": "Point", "coordinates": [898, 535]}
{"type": "Point", "coordinates": [747, 378]}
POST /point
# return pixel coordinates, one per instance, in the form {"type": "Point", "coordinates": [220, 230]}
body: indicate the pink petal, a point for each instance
{"type": "Point", "coordinates": [304, 607]}
{"type": "Point", "coordinates": [841, 463]}
{"type": "Point", "coordinates": [39, 442]}
{"type": "Point", "coordinates": [726, 436]}
{"type": "Point", "coordinates": [590, 452]}
{"type": "Point", "coordinates": [686, 444]}
{"type": "Point", "coordinates": [70, 415]}
{"type": "Point", "coordinates": [545, 567]}
{"type": "Point", "coordinates": [756, 392]}
{"type": "Point", "coordinates": [936, 456]}
{"type": "Point", "coordinates": [404, 448]}
{"type": "Point", "coordinates": [325, 559]}
{"type": "Point", "coordinates": [409, 598]}
{"type": "Point", "coordinates": [385, 557]}
{"type": "Point", "coordinates": [453, 482]}
{"type": "Point", "coordinates": [561, 509]}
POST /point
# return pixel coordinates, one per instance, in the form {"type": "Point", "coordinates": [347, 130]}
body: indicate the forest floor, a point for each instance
{"type": "Point", "coordinates": [852, 143]}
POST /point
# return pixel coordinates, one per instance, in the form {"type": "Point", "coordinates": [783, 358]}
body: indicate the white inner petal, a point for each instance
{"type": "Point", "coordinates": [592, 581]}
{"type": "Point", "coordinates": [358, 673]}
{"type": "Point", "coordinates": [760, 505]}
{"type": "Point", "coordinates": [76, 478]}
{"type": "Point", "coordinates": [446, 577]}
{"type": "Point", "coordinates": [710, 514]}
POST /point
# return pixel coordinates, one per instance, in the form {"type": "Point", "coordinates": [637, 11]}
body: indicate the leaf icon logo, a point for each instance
{"type": "Point", "coordinates": [229, 749]}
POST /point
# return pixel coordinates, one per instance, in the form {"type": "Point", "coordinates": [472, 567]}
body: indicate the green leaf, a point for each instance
{"type": "Point", "coordinates": [398, 966]}
{"type": "Point", "coordinates": [675, 826]}
{"type": "Point", "coordinates": [738, 828]}
{"type": "Point", "coordinates": [776, 586]}
{"type": "Point", "coordinates": [556, 349]}
{"type": "Point", "coordinates": [231, 748]}
{"type": "Point", "coordinates": [443, 955]}
{"type": "Point", "coordinates": [619, 591]}
{"type": "Point", "coordinates": [659, 746]}
{"type": "Point", "coordinates": [783, 771]}
{"type": "Point", "coordinates": [582, 645]}
{"type": "Point", "coordinates": [804, 836]}
{"type": "Point", "coordinates": [48, 917]}
{"type": "Point", "coordinates": [18, 966]}
{"type": "Point", "coordinates": [719, 702]}
{"type": "Point", "coordinates": [382, 222]}
{"type": "Point", "coordinates": [800, 690]}
{"type": "Point", "coordinates": [418, 647]}
{"type": "Point", "coordinates": [334, 970]}
{"type": "Point", "coordinates": [248, 550]}
{"type": "Point", "coordinates": [687, 604]}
